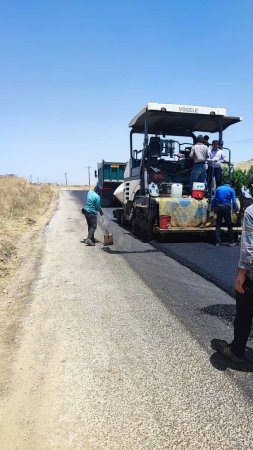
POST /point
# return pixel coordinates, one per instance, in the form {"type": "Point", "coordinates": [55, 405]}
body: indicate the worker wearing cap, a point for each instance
{"type": "Point", "coordinates": [206, 140]}
{"type": "Point", "coordinates": [90, 210]}
{"type": "Point", "coordinates": [199, 154]}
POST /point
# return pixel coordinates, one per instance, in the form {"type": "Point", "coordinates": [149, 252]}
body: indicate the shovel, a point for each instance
{"type": "Point", "coordinates": [108, 238]}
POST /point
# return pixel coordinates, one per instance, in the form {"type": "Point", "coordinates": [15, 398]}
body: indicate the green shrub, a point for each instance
{"type": "Point", "coordinates": [239, 177]}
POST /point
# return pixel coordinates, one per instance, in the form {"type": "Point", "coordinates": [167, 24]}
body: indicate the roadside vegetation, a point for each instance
{"type": "Point", "coordinates": [21, 207]}
{"type": "Point", "coordinates": [240, 177]}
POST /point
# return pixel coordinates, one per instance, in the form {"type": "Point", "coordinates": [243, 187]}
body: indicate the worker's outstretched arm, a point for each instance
{"type": "Point", "coordinates": [246, 252]}
{"type": "Point", "coordinates": [235, 207]}
{"type": "Point", "coordinates": [213, 201]}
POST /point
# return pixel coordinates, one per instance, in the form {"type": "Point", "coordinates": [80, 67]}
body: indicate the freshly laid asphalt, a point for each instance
{"type": "Point", "coordinates": [216, 264]}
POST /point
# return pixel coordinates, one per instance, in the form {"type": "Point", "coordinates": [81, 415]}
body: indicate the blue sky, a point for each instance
{"type": "Point", "coordinates": [74, 73]}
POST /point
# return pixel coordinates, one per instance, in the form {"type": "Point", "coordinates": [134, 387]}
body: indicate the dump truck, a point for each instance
{"type": "Point", "coordinates": [109, 176]}
{"type": "Point", "coordinates": [156, 195]}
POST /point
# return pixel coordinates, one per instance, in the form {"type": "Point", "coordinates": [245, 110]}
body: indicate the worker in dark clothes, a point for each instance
{"type": "Point", "coordinates": [206, 140]}
{"type": "Point", "coordinates": [244, 294]}
{"type": "Point", "coordinates": [222, 199]}
{"type": "Point", "coordinates": [90, 210]}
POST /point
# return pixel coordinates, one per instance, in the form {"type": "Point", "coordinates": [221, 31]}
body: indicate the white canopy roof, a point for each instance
{"type": "Point", "coordinates": [181, 120]}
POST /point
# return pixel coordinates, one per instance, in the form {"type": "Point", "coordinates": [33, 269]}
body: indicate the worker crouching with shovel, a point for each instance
{"type": "Point", "coordinates": [90, 210]}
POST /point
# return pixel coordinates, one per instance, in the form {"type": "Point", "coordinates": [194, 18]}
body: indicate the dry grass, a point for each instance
{"type": "Point", "coordinates": [78, 187]}
{"type": "Point", "coordinates": [21, 206]}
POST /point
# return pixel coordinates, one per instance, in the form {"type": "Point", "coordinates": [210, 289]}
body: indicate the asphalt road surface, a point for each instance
{"type": "Point", "coordinates": [206, 318]}
{"type": "Point", "coordinates": [218, 265]}
{"type": "Point", "coordinates": [115, 350]}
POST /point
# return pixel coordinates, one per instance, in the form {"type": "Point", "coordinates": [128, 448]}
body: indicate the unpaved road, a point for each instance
{"type": "Point", "coordinates": [99, 362]}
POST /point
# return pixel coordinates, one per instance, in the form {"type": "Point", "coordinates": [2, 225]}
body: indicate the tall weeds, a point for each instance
{"type": "Point", "coordinates": [21, 205]}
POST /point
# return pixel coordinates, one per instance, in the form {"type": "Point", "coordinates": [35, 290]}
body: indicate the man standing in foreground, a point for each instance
{"type": "Point", "coordinates": [90, 210]}
{"type": "Point", "coordinates": [199, 154]}
{"type": "Point", "coordinates": [244, 294]}
{"type": "Point", "coordinates": [221, 201]}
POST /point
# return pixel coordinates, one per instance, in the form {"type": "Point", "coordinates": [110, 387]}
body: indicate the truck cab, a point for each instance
{"type": "Point", "coordinates": [109, 176]}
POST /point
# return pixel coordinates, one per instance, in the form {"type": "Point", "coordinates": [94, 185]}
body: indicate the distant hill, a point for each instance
{"type": "Point", "coordinates": [244, 165]}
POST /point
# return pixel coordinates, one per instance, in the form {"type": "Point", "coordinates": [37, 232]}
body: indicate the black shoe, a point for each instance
{"type": "Point", "coordinates": [95, 240]}
{"type": "Point", "coordinates": [224, 348]}
{"type": "Point", "coordinates": [89, 242]}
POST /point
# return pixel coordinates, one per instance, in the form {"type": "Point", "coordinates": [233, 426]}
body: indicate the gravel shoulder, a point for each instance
{"type": "Point", "coordinates": [15, 292]}
{"type": "Point", "coordinates": [99, 362]}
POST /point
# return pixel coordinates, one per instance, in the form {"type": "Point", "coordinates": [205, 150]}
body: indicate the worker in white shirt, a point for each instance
{"type": "Point", "coordinates": [216, 157]}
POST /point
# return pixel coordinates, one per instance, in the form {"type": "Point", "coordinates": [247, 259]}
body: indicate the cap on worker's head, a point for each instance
{"type": "Point", "coordinates": [200, 138]}
{"type": "Point", "coordinates": [98, 188]}
{"type": "Point", "coordinates": [250, 179]}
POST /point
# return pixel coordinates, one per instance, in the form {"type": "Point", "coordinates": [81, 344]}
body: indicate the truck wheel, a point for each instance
{"type": "Point", "coordinates": [148, 234]}
{"type": "Point", "coordinates": [133, 226]}
{"type": "Point", "coordinates": [120, 217]}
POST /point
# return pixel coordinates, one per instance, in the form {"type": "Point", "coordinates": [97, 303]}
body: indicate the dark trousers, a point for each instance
{"type": "Point", "coordinates": [224, 212]}
{"type": "Point", "coordinates": [92, 224]}
{"type": "Point", "coordinates": [243, 319]}
{"type": "Point", "coordinates": [216, 173]}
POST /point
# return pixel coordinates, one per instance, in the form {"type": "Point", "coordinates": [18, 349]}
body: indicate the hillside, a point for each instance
{"type": "Point", "coordinates": [244, 165]}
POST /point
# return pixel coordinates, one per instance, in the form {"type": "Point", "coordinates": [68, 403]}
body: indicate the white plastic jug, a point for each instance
{"type": "Point", "coordinates": [153, 189]}
{"type": "Point", "coordinates": [176, 190]}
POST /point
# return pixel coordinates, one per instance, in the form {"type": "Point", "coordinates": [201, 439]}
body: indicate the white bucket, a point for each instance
{"type": "Point", "coordinates": [176, 190]}
{"type": "Point", "coordinates": [198, 186]}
